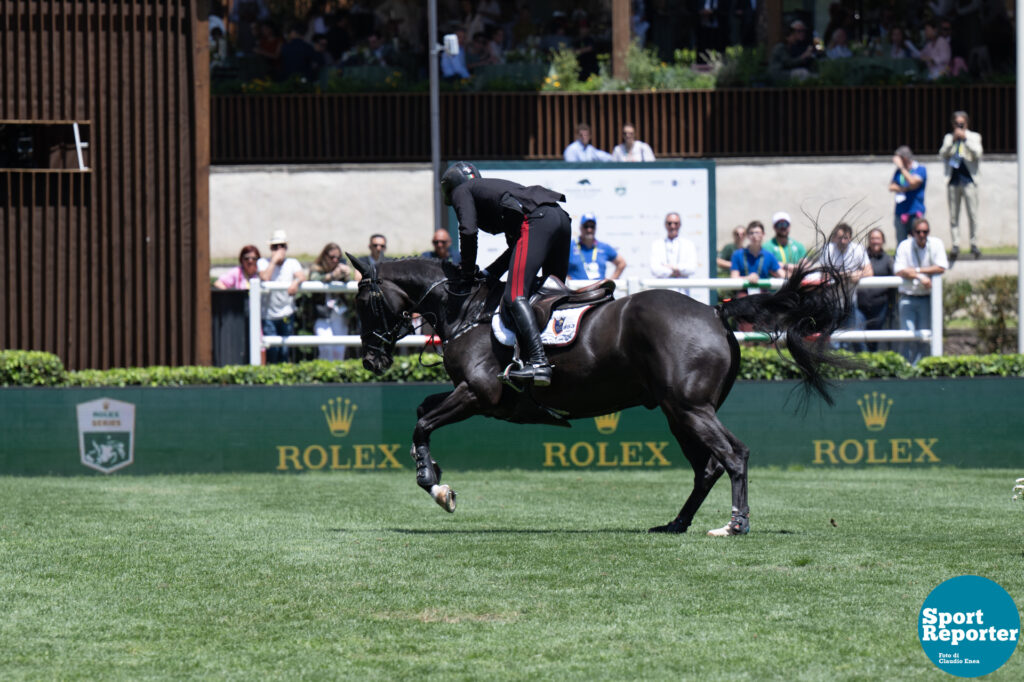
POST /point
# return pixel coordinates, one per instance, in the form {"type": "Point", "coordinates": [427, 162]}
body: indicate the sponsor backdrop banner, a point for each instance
{"type": "Point", "coordinates": [629, 200]}
{"type": "Point", "coordinates": [949, 422]}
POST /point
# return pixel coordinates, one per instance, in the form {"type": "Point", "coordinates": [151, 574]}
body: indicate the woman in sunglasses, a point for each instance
{"type": "Point", "coordinates": [238, 278]}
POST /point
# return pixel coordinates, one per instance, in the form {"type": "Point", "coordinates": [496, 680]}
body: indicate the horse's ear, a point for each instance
{"type": "Point", "coordinates": [356, 263]}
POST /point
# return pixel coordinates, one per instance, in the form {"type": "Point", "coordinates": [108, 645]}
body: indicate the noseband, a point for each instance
{"type": "Point", "coordinates": [388, 333]}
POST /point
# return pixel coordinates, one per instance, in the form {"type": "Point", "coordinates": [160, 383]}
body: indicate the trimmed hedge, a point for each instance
{"type": "Point", "coordinates": [36, 368]}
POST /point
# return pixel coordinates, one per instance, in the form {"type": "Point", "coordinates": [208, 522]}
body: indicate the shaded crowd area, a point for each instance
{"type": "Point", "coordinates": [358, 45]}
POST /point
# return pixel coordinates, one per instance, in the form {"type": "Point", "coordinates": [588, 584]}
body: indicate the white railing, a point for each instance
{"type": "Point", "coordinates": [258, 342]}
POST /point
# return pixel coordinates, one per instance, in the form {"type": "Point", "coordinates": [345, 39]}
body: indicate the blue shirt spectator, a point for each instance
{"type": "Point", "coordinates": [908, 183]}
{"type": "Point", "coordinates": [589, 258]}
{"type": "Point", "coordinates": [455, 67]}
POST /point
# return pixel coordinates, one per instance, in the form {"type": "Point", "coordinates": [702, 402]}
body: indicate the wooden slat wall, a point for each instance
{"type": "Point", "coordinates": [708, 124]}
{"type": "Point", "coordinates": [104, 267]}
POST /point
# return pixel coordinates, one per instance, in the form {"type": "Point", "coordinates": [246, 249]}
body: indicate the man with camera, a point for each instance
{"type": "Point", "coordinates": [960, 153]}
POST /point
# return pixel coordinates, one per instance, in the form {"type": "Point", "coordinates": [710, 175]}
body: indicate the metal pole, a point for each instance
{"type": "Point", "coordinates": [255, 324]}
{"type": "Point", "coordinates": [435, 111]}
{"type": "Point", "coordinates": [1020, 179]}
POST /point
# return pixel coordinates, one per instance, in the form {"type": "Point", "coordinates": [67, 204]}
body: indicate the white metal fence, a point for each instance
{"type": "Point", "coordinates": [258, 342]}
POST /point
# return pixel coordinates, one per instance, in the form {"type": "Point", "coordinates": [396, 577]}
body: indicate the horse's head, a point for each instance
{"type": "Point", "coordinates": [384, 316]}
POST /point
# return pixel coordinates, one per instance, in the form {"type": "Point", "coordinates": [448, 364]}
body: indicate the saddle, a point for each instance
{"type": "Point", "coordinates": [554, 295]}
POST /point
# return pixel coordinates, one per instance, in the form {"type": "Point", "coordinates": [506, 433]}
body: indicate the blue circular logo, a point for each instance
{"type": "Point", "coordinates": [968, 626]}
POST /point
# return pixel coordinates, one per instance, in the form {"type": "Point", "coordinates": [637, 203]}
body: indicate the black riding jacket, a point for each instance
{"type": "Point", "coordinates": [478, 206]}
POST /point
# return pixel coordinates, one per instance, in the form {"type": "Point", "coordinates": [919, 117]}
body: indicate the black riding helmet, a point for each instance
{"type": "Point", "coordinates": [458, 173]}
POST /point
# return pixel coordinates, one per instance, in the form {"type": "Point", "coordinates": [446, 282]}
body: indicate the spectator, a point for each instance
{"type": "Point", "coordinates": [453, 68]}
{"type": "Point", "coordinates": [960, 152]}
{"type": "Point", "coordinates": [852, 260]}
{"type": "Point", "coordinates": [442, 250]}
{"type": "Point", "coordinates": [936, 53]}
{"type": "Point", "coordinates": [317, 20]}
{"type": "Point", "coordinates": [918, 259]}
{"type": "Point", "coordinates": [585, 47]}
{"type": "Point", "coordinates": [269, 46]}
{"type": "Point", "coordinates": [330, 266]}
{"type": "Point", "coordinates": [557, 37]}
{"type": "Point", "coordinates": [245, 15]}
{"type": "Point", "coordinates": [589, 258]}
{"type": "Point", "coordinates": [279, 306]}
{"type": "Point", "coordinates": [216, 20]}
{"type": "Point", "coordinates": [477, 53]}
{"type": "Point", "coordinates": [496, 45]}
{"type": "Point", "coordinates": [899, 46]}
{"type": "Point", "coordinates": [339, 36]}
{"type": "Point", "coordinates": [471, 19]}
{"type": "Point", "coordinates": [746, 15]}
{"type": "Point", "coordinates": [248, 267]}
{"type": "Point", "coordinates": [673, 256]}
{"type": "Point", "coordinates": [581, 149]}
{"type": "Point", "coordinates": [792, 59]}
{"type": "Point", "coordinates": [378, 245]}
{"type": "Point", "coordinates": [712, 24]}
{"type": "Point", "coordinates": [631, 148]}
{"type": "Point", "coordinates": [788, 252]}
{"type": "Point", "coordinates": [838, 47]}
{"type": "Point", "coordinates": [753, 262]}
{"type": "Point", "coordinates": [876, 304]}
{"type": "Point", "coordinates": [908, 183]}
{"type": "Point", "coordinates": [299, 58]}
{"type": "Point", "coordinates": [724, 260]}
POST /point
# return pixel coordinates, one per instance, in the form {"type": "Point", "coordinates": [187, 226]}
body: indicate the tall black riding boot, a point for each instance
{"type": "Point", "coordinates": [536, 368]}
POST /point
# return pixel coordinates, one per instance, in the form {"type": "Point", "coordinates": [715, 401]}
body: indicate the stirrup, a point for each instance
{"type": "Point", "coordinates": [506, 376]}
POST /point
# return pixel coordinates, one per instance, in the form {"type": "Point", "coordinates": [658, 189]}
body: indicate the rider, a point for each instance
{"type": "Point", "coordinates": [538, 233]}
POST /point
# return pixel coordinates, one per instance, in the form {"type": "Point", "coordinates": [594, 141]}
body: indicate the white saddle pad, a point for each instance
{"type": "Point", "coordinates": [559, 331]}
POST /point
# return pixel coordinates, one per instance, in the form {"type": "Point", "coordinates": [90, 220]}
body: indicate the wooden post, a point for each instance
{"type": "Point", "coordinates": [621, 35]}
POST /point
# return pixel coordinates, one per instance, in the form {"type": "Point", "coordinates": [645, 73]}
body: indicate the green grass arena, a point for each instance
{"type": "Point", "coordinates": [538, 575]}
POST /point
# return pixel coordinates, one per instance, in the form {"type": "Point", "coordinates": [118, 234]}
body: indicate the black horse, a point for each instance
{"type": "Point", "coordinates": [656, 348]}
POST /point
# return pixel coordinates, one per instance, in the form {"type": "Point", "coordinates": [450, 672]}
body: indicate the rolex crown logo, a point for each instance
{"type": "Point", "coordinates": [874, 409]}
{"type": "Point", "coordinates": [607, 423]}
{"type": "Point", "coordinates": [339, 414]}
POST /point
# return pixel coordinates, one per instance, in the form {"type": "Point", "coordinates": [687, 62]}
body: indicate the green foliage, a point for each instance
{"type": "Point", "coordinates": [991, 306]}
{"type": "Point", "coordinates": [30, 368]}
{"type": "Point", "coordinates": [760, 363]}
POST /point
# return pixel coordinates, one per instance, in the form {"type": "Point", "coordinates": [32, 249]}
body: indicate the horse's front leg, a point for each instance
{"type": "Point", "coordinates": [434, 412]}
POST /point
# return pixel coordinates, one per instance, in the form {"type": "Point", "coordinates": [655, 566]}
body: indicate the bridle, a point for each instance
{"type": "Point", "coordinates": [385, 333]}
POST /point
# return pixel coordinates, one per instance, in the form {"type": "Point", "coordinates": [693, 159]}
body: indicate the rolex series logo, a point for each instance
{"type": "Point", "coordinates": [607, 423]}
{"type": "Point", "coordinates": [339, 414]}
{"type": "Point", "coordinates": [874, 409]}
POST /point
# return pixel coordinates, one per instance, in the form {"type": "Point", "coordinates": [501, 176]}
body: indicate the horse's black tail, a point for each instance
{"type": "Point", "coordinates": [813, 302]}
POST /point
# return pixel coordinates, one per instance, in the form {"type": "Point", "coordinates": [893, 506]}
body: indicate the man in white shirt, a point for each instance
{"type": "Point", "coordinates": [631, 148]}
{"type": "Point", "coordinates": [581, 150]}
{"type": "Point", "coordinates": [852, 260]}
{"type": "Point", "coordinates": [673, 256]}
{"type": "Point", "coordinates": [278, 307]}
{"type": "Point", "coordinates": [918, 258]}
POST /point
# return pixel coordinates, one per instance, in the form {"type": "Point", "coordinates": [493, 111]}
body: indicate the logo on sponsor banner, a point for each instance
{"type": "Point", "coordinates": [874, 409]}
{"type": "Point", "coordinates": [339, 416]}
{"type": "Point", "coordinates": [620, 189]}
{"type": "Point", "coordinates": [624, 453]}
{"type": "Point", "coordinates": [607, 423]}
{"type": "Point", "coordinates": [584, 181]}
{"type": "Point", "coordinates": [106, 434]}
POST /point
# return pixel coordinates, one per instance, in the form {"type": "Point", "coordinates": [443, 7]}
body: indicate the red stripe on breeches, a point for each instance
{"type": "Point", "coordinates": [518, 283]}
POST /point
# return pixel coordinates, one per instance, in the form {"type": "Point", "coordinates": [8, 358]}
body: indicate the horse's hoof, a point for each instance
{"type": "Point", "coordinates": [738, 525]}
{"type": "Point", "coordinates": [668, 528]}
{"type": "Point", "coordinates": [444, 496]}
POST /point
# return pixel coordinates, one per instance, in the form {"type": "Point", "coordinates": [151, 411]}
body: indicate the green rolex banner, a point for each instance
{"type": "Point", "coordinates": [340, 427]}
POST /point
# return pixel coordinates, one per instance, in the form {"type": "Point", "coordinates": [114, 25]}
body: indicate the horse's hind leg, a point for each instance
{"type": "Point", "coordinates": [712, 450]}
{"type": "Point", "coordinates": [706, 471]}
